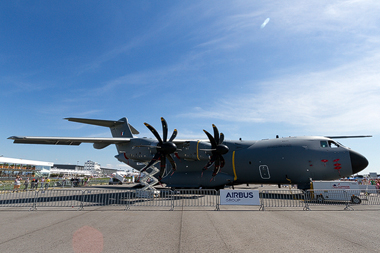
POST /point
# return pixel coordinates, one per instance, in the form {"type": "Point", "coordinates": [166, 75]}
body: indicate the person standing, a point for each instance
{"type": "Point", "coordinates": [47, 182]}
{"type": "Point", "coordinates": [33, 184]}
{"type": "Point", "coordinates": [26, 184]}
{"type": "Point", "coordinates": [42, 182]}
{"type": "Point", "coordinates": [17, 184]}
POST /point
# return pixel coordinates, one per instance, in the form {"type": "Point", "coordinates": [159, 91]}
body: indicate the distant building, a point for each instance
{"type": "Point", "coordinates": [12, 167]}
{"type": "Point", "coordinates": [93, 167]}
{"type": "Point", "coordinates": [70, 169]}
{"type": "Point", "coordinates": [107, 171]}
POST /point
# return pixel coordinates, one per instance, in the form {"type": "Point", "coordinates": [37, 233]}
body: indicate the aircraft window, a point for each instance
{"type": "Point", "coordinates": [333, 144]}
{"type": "Point", "coordinates": [324, 144]}
{"type": "Point", "coordinates": [264, 172]}
{"type": "Point", "coordinates": [340, 144]}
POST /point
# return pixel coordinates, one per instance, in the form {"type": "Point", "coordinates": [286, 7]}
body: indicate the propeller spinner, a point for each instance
{"type": "Point", "coordinates": [164, 148]}
{"type": "Point", "coordinates": [218, 149]}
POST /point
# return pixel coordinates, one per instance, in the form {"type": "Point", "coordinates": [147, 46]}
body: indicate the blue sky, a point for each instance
{"type": "Point", "coordinates": [313, 69]}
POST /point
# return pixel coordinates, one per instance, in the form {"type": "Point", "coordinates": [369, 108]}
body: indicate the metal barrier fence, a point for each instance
{"type": "Point", "coordinates": [80, 199]}
{"type": "Point", "coordinates": [348, 197]}
{"type": "Point", "coordinates": [282, 198]}
{"type": "Point", "coordinates": [196, 198]}
{"type": "Point", "coordinates": [9, 198]}
{"type": "Point", "coordinates": [128, 198]}
{"type": "Point", "coordinates": [55, 184]}
{"type": "Point", "coordinates": [311, 198]}
{"type": "Point", "coordinates": [174, 199]}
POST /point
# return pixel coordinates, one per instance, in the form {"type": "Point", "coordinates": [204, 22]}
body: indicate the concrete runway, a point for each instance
{"type": "Point", "coordinates": [156, 229]}
{"type": "Point", "coordinates": [108, 229]}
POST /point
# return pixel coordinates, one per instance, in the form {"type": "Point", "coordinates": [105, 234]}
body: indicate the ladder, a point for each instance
{"type": "Point", "coordinates": [149, 175]}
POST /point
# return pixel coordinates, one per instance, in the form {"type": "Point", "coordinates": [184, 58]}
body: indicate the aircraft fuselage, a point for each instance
{"type": "Point", "coordinates": [292, 160]}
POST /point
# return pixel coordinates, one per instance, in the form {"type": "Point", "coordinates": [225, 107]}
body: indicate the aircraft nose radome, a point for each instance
{"type": "Point", "coordinates": [358, 162]}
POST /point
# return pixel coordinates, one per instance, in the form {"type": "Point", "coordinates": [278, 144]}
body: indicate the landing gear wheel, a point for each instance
{"type": "Point", "coordinates": [356, 200]}
{"type": "Point", "coordinates": [320, 198]}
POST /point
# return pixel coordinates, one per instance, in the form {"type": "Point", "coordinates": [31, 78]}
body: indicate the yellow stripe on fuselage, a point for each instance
{"type": "Point", "coordinates": [233, 165]}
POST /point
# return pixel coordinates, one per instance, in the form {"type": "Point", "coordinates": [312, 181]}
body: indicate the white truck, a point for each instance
{"type": "Point", "coordinates": [118, 178]}
{"type": "Point", "coordinates": [114, 180]}
{"type": "Point", "coordinates": [336, 190]}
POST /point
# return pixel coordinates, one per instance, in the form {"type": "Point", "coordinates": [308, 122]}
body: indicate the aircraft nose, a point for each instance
{"type": "Point", "coordinates": [358, 162]}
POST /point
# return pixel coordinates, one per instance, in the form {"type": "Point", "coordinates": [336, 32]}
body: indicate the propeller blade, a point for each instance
{"type": "Point", "coordinates": [216, 134]}
{"type": "Point", "coordinates": [173, 135]}
{"type": "Point", "coordinates": [171, 160]}
{"type": "Point", "coordinates": [221, 139]}
{"type": "Point", "coordinates": [212, 140]}
{"type": "Point", "coordinates": [164, 129]}
{"type": "Point", "coordinates": [164, 148]}
{"type": "Point", "coordinates": [217, 166]}
{"type": "Point", "coordinates": [155, 159]}
{"type": "Point", "coordinates": [222, 161]}
{"type": "Point", "coordinates": [219, 163]}
{"type": "Point", "coordinates": [154, 132]}
{"type": "Point", "coordinates": [210, 163]}
{"type": "Point", "coordinates": [163, 167]}
{"type": "Point", "coordinates": [218, 149]}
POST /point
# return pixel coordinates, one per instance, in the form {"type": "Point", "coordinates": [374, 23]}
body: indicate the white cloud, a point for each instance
{"type": "Point", "coordinates": [342, 95]}
{"type": "Point", "coordinates": [344, 99]}
{"type": "Point", "coordinates": [237, 25]}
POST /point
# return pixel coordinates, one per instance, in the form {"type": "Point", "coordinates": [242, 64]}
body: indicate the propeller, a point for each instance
{"type": "Point", "coordinates": [218, 149]}
{"type": "Point", "coordinates": [164, 148]}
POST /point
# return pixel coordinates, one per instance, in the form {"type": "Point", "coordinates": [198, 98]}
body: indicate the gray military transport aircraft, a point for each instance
{"type": "Point", "coordinates": [291, 160]}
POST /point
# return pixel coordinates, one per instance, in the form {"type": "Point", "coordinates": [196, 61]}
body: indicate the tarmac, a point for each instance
{"type": "Point", "coordinates": [232, 229]}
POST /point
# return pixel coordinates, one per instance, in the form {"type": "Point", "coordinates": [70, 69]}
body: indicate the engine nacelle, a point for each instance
{"type": "Point", "coordinates": [122, 157]}
{"type": "Point", "coordinates": [192, 150]}
{"type": "Point", "coordinates": [139, 150]}
{"type": "Point", "coordinates": [100, 145]}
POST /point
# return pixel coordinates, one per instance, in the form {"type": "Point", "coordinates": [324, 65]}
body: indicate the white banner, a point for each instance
{"type": "Point", "coordinates": [240, 197]}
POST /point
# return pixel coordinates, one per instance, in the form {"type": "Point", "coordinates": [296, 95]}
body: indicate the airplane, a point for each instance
{"type": "Point", "coordinates": [286, 160]}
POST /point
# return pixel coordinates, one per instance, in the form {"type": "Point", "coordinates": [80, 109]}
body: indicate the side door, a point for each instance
{"type": "Point", "coordinates": [264, 171]}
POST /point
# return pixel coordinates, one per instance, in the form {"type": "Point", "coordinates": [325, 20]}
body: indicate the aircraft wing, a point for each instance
{"type": "Point", "coordinates": [67, 140]}
{"type": "Point", "coordinates": [348, 137]}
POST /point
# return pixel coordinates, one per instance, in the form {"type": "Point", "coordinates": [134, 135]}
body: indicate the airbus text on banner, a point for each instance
{"type": "Point", "coordinates": [240, 197]}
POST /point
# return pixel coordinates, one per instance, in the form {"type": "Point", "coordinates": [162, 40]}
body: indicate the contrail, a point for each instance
{"type": "Point", "coordinates": [265, 23]}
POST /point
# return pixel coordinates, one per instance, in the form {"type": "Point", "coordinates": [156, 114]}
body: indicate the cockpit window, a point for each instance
{"type": "Point", "coordinates": [340, 144]}
{"type": "Point", "coordinates": [333, 144]}
{"type": "Point", "coordinates": [327, 144]}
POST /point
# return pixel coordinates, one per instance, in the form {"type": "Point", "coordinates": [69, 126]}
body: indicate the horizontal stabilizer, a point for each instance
{"type": "Point", "coordinates": [105, 123]}
{"type": "Point", "coordinates": [68, 140]}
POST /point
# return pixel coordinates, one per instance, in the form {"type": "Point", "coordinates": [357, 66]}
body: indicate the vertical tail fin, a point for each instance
{"type": "Point", "coordinates": [123, 129]}
{"type": "Point", "coordinates": [119, 128]}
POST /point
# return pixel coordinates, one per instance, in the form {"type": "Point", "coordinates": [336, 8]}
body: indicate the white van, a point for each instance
{"type": "Point", "coordinates": [336, 190]}
{"type": "Point", "coordinates": [114, 180]}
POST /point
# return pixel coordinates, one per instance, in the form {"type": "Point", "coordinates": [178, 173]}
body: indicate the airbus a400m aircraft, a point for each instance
{"type": "Point", "coordinates": [215, 162]}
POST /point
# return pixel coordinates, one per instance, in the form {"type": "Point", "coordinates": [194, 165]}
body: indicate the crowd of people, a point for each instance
{"type": "Point", "coordinates": [370, 181]}
{"type": "Point", "coordinates": [44, 183]}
